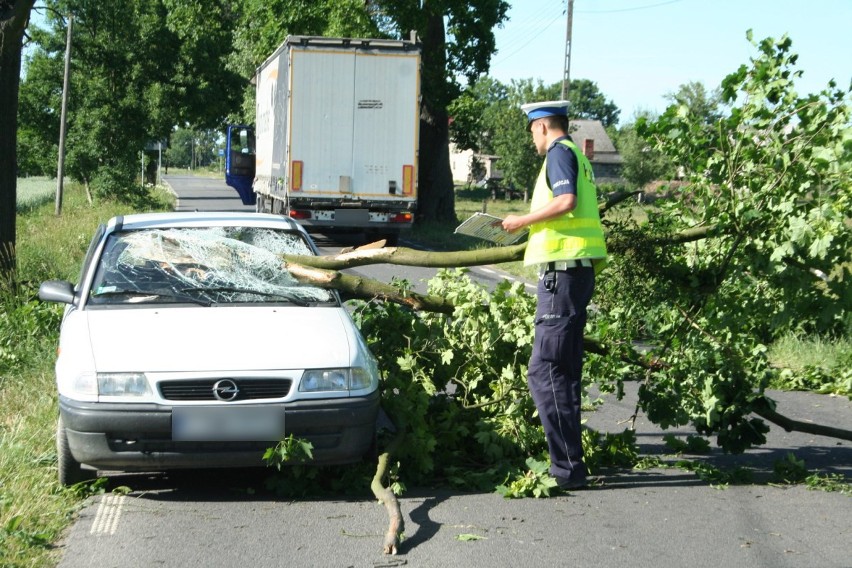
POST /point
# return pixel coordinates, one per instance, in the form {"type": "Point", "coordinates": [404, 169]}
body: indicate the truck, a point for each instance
{"type": "Point", "coordinates": [335, 140]}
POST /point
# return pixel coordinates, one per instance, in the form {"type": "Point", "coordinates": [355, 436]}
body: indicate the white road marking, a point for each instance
{"type": "Point", "coordinates": [108, 514]}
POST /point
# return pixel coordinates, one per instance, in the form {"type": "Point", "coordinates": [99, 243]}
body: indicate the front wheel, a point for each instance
{"type": "Point", "coordinates": [70, 470]}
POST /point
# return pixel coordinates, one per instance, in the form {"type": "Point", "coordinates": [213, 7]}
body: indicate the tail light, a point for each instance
{"type": "Point", "coordinates": [404, 217]}
{"type": "Point", "coordinates": [298, 214]}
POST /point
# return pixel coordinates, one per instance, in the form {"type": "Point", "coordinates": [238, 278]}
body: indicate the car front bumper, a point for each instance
{"type": "Point", "coordinates": [138, 437]}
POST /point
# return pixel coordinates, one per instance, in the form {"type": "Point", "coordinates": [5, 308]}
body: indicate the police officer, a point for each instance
{"type": "Point", "coordinates": [566, 242]}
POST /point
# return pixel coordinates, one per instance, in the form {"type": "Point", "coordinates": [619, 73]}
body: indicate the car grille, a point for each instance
{"type": "Point", "coordinates": [202, 389]}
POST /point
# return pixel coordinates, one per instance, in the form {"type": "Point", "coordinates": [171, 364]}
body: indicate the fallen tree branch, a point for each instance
{"type": "Point", "coordinates": [410, 257]}
{"type": "Point", "coordinates": [367, 288]}
{"type": "Point", "coordinates": [614, 200]}
{"type": "Point", "coordinates": [765, 409]}
{"type": "Point", "coordinates": [403, 256]}
{"type": "Point", "coordinates": [385, 496]}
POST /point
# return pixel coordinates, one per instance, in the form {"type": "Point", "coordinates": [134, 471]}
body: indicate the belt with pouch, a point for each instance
{"type": "Point", "coordinates": [565, 265]}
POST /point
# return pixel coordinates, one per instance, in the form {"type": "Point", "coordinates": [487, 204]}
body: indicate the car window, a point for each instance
{"type": "Point", "coordinates": [209, 265]}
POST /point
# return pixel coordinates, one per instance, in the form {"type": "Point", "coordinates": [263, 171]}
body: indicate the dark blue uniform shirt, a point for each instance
{"type": "Point", "coordinates": [562, 168]}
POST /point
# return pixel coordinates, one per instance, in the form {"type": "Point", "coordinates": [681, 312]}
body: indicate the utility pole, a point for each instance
{"type": "Point", "coordinates": [60, 168]}
{"type": "Point", "coordinates": [566, 77]}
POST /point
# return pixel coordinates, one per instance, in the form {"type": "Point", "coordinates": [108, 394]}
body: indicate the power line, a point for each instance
{"type": "Point", "coordinates": [523, 36]}
{"type": "Point", "coordinates": [635, 8]}
{"type": "Point", "coordinates": [532, 39]}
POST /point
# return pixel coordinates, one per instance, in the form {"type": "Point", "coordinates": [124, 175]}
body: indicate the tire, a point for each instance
{"type": "Point", "coordinates": [70, 470]}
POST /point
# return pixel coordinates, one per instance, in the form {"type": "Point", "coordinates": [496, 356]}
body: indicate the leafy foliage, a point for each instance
{"type": "Point", "coordinates": [642, 163]}
{"type": "Point", "coordinates": [836, 380]}
{"type": "Point", "coordinates": [692, 444]}
{"type": "Point", "coordinates": [693, 96]}
{"type": "Point", "coordinates": [754, 246]}
{"type": "Point", "coordinates": [138, 70]}
{"type": "Point", "coordinates": [456, 384]}
{"type": "Point", "coordinates": [536, 482]}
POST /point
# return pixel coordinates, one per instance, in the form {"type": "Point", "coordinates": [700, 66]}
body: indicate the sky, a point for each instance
{"type": "Point", "coordinates": [637, 51]}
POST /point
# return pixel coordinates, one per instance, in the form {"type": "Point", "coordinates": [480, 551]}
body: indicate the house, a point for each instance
{"type": "Point", "coordinates": [466, 171]}
{"type": "Point", "coordinates": [589, 135]}
{"type": "Point", "coordinates": [592, 139]}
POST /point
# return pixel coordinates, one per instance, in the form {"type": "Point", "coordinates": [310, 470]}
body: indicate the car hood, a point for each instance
{"type": "Point", "coordinates": [219, 339]}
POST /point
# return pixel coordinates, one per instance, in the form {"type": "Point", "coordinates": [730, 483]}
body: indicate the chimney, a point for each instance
{"type": "Point", "coordinates": [589, 148]}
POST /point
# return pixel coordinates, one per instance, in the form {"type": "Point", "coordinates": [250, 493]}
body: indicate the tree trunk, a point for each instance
{"type": "Point", "coordinates": [436, 201]}
{"type": "Point", "coordinates": [14, 17]}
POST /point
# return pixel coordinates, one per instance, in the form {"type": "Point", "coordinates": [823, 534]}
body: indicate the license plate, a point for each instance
{"type": "Point", "coordinates": [352, 216]}
{"type": "Point", "coordinates": [227, 424]}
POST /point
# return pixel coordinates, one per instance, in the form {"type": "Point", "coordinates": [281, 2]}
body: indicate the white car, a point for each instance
{"type": "Point", "coordinates": [185, 344]}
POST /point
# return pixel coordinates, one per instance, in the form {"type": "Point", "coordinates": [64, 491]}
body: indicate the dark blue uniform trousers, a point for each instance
{"type": "Point", "coordinates": [556, 364]}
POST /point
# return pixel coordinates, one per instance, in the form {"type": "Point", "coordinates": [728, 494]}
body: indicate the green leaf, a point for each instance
{"type": "Point", "coordinates": [465, 537]}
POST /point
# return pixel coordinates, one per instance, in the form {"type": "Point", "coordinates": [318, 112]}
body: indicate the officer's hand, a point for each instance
{"type": "Point", "coordinates": [513, 223]}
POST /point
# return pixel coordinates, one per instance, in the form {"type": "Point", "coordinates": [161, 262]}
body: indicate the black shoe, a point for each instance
{"type": "Point", "coordinates": [568, 484]}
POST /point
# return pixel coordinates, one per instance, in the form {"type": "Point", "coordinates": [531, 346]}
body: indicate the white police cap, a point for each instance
{"type": "Point", "coordinates": [535, 111]}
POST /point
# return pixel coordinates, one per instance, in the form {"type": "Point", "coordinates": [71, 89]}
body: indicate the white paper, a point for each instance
{"type": "Point", "coordinates": [489, 228]}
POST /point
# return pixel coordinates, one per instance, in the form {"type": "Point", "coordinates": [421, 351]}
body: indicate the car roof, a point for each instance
{"type": "Point", "coordinates": [201, 219]}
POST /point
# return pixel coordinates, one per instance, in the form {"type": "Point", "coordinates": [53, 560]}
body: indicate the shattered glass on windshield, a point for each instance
{"type": "Point", "coordinates": [209, 265]}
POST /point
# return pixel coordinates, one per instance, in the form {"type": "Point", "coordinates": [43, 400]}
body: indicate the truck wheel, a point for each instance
{"type": "Point", "coordinates": [70, 470]}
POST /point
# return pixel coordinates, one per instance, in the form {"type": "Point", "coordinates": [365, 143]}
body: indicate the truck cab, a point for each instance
{"type": "Point", "coordinates": [240, 161]}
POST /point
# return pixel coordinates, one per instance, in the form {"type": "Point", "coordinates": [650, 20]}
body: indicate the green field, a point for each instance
{"type": "Point", "coordinates": [34, 191]}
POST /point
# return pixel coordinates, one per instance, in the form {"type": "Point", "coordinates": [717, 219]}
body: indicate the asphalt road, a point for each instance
{"type": "Point", "coordinates": [656, 518]}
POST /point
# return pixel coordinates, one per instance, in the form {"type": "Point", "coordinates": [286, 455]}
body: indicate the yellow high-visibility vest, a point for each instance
{"type": "Point", "coordinates": [576, 234]}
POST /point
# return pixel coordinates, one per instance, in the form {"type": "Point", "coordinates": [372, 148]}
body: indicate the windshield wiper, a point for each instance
{"type": "Point", "coordinates": [140, 296]}
{"type": "Point", "coordinates": [288, 297]}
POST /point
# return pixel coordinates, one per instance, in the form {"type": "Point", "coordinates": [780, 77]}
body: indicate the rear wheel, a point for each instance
{"type": "Point", "coordinates": [70, 470]}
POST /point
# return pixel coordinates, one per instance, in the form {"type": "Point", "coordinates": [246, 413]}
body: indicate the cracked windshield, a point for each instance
{"type": "Point", "coordinates": [210, 265]}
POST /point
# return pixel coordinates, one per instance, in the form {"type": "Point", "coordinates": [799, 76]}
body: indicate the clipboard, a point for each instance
{"type": "Point", "coordinates": [489, 228]}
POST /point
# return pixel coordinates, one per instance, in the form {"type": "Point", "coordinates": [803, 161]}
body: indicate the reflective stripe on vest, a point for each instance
{"type": "Point", "coordinates": [576, 234]}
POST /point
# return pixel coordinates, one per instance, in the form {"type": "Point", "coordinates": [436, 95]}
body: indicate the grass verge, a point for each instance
{"type": "Point", "coordinates": [34, 509]}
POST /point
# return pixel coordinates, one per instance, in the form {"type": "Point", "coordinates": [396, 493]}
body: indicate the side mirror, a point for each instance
{"type": "Point", "coordinates": [56, 291]}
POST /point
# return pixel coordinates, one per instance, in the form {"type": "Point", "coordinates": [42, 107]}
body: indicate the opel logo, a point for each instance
{"type": "Point", "coordinates": [225, 390]}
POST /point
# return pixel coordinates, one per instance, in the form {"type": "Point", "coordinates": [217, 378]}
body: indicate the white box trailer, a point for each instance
{"type": "Point", "coordinates": [337, 130]}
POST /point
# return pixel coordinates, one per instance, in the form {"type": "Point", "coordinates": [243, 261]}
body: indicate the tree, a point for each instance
{"type": "Point", "coordinates": [697, 101]}
{"type": "Point", "coordinates": [642, 163]}
{"type": "Point", "coordinates": [473, 113]}
{"type": "Point", "coordinates": [589, 103]}
{"type": "Point", "coordinates": [138, 69]}
{"type": "Point", "coordinates": [192, 148]}
{"type": "Point", "coordinates": [14, 17]}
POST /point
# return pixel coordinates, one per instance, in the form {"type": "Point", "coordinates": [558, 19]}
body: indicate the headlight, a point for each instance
{"type": "Point", "coordinates": [319, 380]}
{"type": "Point", "coordinates": [123, 384]}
